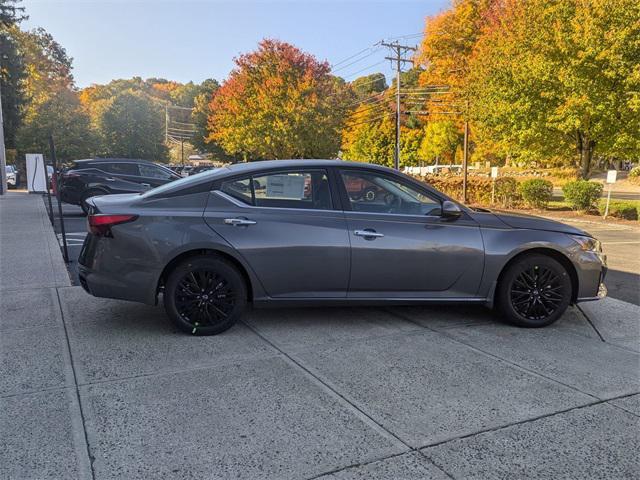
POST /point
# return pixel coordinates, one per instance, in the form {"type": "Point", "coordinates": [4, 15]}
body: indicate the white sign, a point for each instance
{"type": "Point", "coordinates": [494, 172]}
{"type": "Point", "coordinates": [285, 186]}
{"type": "Point", "coordinates": [611, 176]}
{"type": "Point", "coordinates": [36, 173]}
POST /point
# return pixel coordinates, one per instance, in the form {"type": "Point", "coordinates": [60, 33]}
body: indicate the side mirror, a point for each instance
{"type": "Point", "coordinates": [450, 210]}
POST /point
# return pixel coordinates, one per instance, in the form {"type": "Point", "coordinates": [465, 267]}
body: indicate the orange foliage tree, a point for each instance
{"type": "Point", "coordinates": [279, 102]}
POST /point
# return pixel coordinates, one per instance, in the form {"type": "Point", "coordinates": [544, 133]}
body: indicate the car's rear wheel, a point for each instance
{"type": "Point", "coordinates": [205, 295]}
{"type": "Point", "coordinates": [534, 291]}
{"type": "Point", "coordinates": [86, 196]}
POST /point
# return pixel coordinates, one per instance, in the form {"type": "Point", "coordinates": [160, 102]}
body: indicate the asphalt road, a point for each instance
{"type": "Point", "coordinates": [621, 244]}
{"type": "Point", "coordinates": [615, 195]}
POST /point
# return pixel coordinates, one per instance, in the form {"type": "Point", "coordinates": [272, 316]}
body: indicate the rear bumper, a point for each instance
{"type": "Point", "coordinates": [104, 274]}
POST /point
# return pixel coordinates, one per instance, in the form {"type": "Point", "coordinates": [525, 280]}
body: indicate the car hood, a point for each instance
{"type": "Point", "coordinates": [531, 222]}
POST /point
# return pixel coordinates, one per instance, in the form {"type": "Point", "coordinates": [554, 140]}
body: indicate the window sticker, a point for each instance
{"type": "Point", "coordinates": [285, 186]}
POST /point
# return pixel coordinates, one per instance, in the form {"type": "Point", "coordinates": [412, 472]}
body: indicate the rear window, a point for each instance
{"type": "Point", "coordinates": [185, 183]}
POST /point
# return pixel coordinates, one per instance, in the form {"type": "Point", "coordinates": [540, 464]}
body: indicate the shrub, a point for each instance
{"type": "Point", "coordinates": [478, 189]}
{"type": "Point", "coordinates": [536, 192]}
{"type": "Point", "coordinates": [629, 210]}
{"type": "Point", "coordinates": [634, 175]}
{"type": "Point", "coordinates": [582, 194]}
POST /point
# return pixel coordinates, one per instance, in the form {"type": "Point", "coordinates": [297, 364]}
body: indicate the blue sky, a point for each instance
{"type": "Point", "coordinates": [194, 40]}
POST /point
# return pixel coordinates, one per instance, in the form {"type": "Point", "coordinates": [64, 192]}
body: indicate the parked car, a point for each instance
{"type": "Point", "coordinates": [104, 176]}
{"type": "Point", "coordinates": [13, 178]}
{"type": "Point", "coordinates": [292, 233]}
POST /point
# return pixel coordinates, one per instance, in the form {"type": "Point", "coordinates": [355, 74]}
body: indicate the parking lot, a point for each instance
{"type": "Point", "coordinates": [96, 388]}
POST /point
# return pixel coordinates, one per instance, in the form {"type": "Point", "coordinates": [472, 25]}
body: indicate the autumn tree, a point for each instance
{"type": "Point", "coordinates": [441, 138]}
{"type": "Point", "coordinates": [278, 102]}
{"type": "Point", "coordinates": [369, 133]}
{"type": "Point", "coordinates": [557, 77]}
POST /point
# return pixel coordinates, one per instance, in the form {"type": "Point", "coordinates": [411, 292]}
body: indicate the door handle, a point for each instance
{"type": "Point", "coordinates": [146, 185]}
{"type": "Point", "coordinates": [110, 179]}
{"type": "Point", "coordinates": [368, 234]}
{"type": "Point", "coordinates": [239, 222]}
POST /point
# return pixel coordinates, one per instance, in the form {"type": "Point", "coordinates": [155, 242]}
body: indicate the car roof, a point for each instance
{"type": "Point", "coordinates": [108, 160]}
{"type": "Point", "coordinates": [194, 181]}
{"type": "Point", "coordinates": [297, 163]}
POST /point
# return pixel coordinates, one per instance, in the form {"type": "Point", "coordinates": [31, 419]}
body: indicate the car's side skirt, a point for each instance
{"type": "Point", "coordinates": [377, 301]}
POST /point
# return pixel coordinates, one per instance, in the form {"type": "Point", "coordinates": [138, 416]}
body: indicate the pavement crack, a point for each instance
{"type": "Point", "coordinates": [496, 357]}
{"type": "Point", "coordinates": [522, 422]}
{"type": "Point", "coordinates": [595, 329]}
{"type": "Point", "coordinates": [341, 396]}
{"type": "Point", "coordinates": [90, 456]}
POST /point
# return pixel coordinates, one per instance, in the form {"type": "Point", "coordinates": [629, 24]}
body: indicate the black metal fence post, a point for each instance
{"type": "Point", "coordinates": [55, 172]}
{"type": "Point", "coordinates": [50, 211]}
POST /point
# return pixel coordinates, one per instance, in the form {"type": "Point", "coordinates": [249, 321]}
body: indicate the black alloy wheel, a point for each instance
{"type": "Point", "coordinates": [205, 295]}
{"type": "Point", "coordinates": [535, 291]}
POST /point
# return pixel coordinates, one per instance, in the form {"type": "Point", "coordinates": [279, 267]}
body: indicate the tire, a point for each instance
{"type": "Point", "coordinates": [534, 291]}
{"type": "Point", "coordinates": [188, 291]}
{"type": "Point", "coordinates": [86, 196]}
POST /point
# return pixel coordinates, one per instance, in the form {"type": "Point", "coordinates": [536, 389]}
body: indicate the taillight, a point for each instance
{"type": "Point", "coordinates": [101, 224]}
{"type": "Point", "coordinates": [54, 183]}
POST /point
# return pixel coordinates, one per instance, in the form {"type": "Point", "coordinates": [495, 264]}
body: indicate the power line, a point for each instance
{"type": "Point", "coordinates": [333, 70]}
{"type": "Point", "coordinates": [349, 125]}
{"type": "Point", "coordinates": [350, 57]}
{"type": "Point", "coordinates": [365, 68]}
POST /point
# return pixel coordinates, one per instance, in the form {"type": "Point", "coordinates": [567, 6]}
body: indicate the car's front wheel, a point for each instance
{"type": "Point", "coordinates": [205, 295]}
{"type": "Point", "coordinates": [534, 291]}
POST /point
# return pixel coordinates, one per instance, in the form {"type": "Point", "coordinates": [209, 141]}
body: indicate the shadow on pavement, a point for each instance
{"type": "Point", "coordinates": [623, 286]}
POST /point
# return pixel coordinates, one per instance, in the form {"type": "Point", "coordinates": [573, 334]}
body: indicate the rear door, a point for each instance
{"type": "Point", "coordinates": [401, 245]}
{"type": "Point", "coordinates": [123, 177]}
{"type": "Point", "coordinates": [287, 226]}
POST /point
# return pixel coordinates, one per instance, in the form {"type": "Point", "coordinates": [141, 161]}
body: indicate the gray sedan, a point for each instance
{"type": "Point", "coordinates": [327, 232]}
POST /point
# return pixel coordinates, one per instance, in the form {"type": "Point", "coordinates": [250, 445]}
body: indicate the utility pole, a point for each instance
{"type": "Point", "coordinates": [166, 123]}
{"type": "Point", "coordinates": [3, 158]}
{"type": "Point", "coordinates": [465, 158]}
{"type": "Point", "coordinates": [399, 51]}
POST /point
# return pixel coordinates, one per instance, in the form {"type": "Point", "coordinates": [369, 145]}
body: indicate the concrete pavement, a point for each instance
{"type": "Point", "coordinates": [100, 389]}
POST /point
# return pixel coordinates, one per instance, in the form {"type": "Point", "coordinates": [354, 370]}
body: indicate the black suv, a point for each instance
{"type": "Point", "coordinates": [104, 176]}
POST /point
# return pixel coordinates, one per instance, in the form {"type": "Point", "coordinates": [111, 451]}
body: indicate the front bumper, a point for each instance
{"type": "Point", "coordinates": [602, 288]}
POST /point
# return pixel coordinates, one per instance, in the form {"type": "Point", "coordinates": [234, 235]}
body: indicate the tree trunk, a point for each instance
{"type": "Point", "coordinates": [585, 150]}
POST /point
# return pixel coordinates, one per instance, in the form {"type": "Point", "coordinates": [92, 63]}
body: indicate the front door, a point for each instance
{"type": "Point", "coordinates": [401, 245]}
{"type": "Point", "coordinates": [285, 226]}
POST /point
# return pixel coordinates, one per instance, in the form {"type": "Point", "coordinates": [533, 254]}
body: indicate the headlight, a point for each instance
{"type": "Point", "coordinates": [588, 244]}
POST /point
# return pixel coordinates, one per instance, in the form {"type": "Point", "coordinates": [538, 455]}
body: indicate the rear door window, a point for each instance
{"type": "Point", "coordinates": [303, 189]}
{"type": "Point", "coordinates": [152, 171]}
{"type": "Point", "coordinates": [118, 168]}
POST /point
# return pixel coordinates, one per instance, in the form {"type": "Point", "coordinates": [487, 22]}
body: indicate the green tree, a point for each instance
{"type": "Point", "coordinates": [131, 124]}
{"type": "Point", "coordinates": [11, 69]}
{"type": "Point", "coordinates": [556, 77]}
{"type": "Point", "coordinates": [62, 116]}
{"type": "Point", "coordinates": [278, 103]}
{"type": "Point", "coordinates": [441, 138]}
{"type": "Point", "coordinates": [369, 84]}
